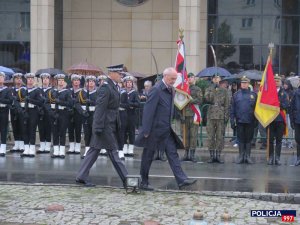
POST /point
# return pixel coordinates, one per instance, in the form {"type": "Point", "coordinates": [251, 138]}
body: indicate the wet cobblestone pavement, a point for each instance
{"type": "Point", "coordinates": [27, 204]}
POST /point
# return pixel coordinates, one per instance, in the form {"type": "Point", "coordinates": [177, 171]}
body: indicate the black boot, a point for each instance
{"type": "Point", "coordinates": [186, 156]}
{"type": "Point", "coordinates": [277, 155]}
{"type": "Point", "coordinates": [218, 157]}
{"type": "Point", "coordinates": [162, 156]}
{"type": "Point", "coordinates": [241, 153]}
{"type": "Point", "coordinates": [192, 155]}
{"type": "Point", "coordinates": [298, 155]}
{"type": "Point", "coordinates": [271, 154]}
{"type": "Point", "coordinates": [248, 153]}
{"type": "Point", "coordinates": [212, 156]}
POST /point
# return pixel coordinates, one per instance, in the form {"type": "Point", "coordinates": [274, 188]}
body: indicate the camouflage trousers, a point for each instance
{"type": "Point", "coordinates": [215, 134]}
{"type": "Point", "coordinates": [191, 133]}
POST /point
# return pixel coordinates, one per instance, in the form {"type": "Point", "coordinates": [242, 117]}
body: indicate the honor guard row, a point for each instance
{"type": "Point", "coordinates": [56, 110]}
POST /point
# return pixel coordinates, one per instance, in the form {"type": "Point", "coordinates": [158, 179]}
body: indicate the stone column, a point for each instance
{"type": "Point", "coordinates": [42, 34]}
{"type": "Point", "coordinates": [193, 19]}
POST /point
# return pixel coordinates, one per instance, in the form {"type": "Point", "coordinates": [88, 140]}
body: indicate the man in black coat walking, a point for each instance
{"type": "Point", "coordinates": [105, 128]}
{"type": "Point", "coordinates": [157, 131]}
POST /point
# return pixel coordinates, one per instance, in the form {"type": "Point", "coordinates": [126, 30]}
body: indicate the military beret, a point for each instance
{"type": "Point", "coordinates": [44, 75]}
{"type": "Point", "coordinates": [90, 77]}
{"type": "Point", "coordinates": [245, 79]}
{"type": "Point", "coordinates": [75, 77]}
{"type": "Point", "coordinates": [216, 76]}
{"type": "Point", "coordinates": [60, 76]}
{"type": "Point", "coordinates": [29, 75]}
{"type": "Point", "coordinates": [128, 78]}
{"type": "Point", "coordinates": [2, 74]}
{"type": "Point", "coordinates": [191, 75]}
{"type": "Point", "coordinates": [277, 77]}
{"type": "Point", "coordinates": [17, 75]}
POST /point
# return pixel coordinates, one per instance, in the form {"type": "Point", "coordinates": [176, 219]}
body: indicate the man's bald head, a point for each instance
{"type": "Point", "coordinates": [170, 76]}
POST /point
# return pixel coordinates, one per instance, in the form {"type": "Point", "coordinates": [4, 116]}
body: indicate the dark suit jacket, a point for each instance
{"type": "Point", "coordinates": [106, 121]}
{"type": "Point", "coordinates": [157, 117]}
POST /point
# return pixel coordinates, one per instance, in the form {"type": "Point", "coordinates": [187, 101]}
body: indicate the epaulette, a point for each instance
{"type": "Point", "coordinates": [122, 91]}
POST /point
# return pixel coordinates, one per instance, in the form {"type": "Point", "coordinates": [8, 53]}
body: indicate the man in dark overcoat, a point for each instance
{"type": "Point", "coordinates": [105, 128]}
{"type": "Point", "coordinates": [157, 131]}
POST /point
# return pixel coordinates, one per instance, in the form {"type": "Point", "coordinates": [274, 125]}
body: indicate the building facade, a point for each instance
{"type": "Point", "coordinates": [142, 34]}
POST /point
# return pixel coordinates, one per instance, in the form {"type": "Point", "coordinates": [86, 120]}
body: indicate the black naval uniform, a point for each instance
{"type": "Point", "coordinates": [16, 119]}
{"type": "Point", "coordinates": [5, 102]}
{"type": "Point", "coordinates": [133, 104]}
{"type": "Point", "coordinates": [242, 116]}
{"type": "Point", "coordinates": [59, 106]}
{"type": "Point", "coordinates": [32, 100]}
{"type": "Point", "coordinates": [277, 129]}
{"type": "Point", "coordinates": [44, 124]}
{"type": "Point", "coordinates": [123, 116]}
{"type": "Point", "coordinates": [85, 106]}
{"type": "Point", "coordinates": [106, 126]}
{"type": "Point", "coordinates": [75, 123]}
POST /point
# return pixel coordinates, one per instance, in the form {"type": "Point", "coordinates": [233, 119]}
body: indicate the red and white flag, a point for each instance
{"type": "Point", "coordinates": [182, 95]}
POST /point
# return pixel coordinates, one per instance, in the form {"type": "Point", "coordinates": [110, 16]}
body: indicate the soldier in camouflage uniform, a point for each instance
{"type": "Point", "coordinates": [217, 114]}
{"type": "Point", "coordinates": [191, 127]}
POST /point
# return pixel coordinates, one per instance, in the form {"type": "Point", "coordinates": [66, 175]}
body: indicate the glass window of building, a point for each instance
{"type": "Point", "coordinates": [240, 31]}
{"type": "Point", "coordinates": [15, 34]}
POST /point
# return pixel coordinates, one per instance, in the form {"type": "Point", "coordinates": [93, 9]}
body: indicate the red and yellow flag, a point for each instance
{"type": "Point", "coordinates": [267, 105]}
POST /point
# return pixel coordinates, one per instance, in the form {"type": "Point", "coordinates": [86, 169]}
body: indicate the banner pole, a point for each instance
{"type": "Point", "coordinates": [268, 142]}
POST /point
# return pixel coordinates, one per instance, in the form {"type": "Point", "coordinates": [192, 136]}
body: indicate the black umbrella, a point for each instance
{"type": "Point", "coordinates": [250, 74]}
{"type": "Point", "coordinates": [51, 71]}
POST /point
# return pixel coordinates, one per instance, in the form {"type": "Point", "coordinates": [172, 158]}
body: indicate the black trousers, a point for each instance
{"type": "Point", "coordinates": [245, 132]}
{"type": "Point", "coordinates": [276, 132]}
{"type": "Point", "coordinates": [87, 128]}
{"type": "Point", "coordinates": [91, 158]}
{"type": "Point", "coordinates": [30, 125]}
{"type": "Point", "coordinates": [172, 155]}
{"type": "Point", "coordinates": [3, 124]}
{"type": "Point", "coordinates": [60, 126]}
{"type": "Point", "coordinates": [123, 119]}
{"type": "Point", "coordinates": [17, 124]}
{"type": "Point", "coordinates": [74, 128]}
{"type": "Point", "coordinates": [130, 128]}
{"type": "Point", "coordinates": [297, 133]}
{"type": "Point", "coordinates": [44, 126]}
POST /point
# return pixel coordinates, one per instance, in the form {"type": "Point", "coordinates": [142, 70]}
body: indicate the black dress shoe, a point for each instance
{"type": "Point", "coordinates": [146, 187]}
{"type": "Point", "coordinates": [85, 183]}
{"type": "Point", "coordinates": [186, 183]}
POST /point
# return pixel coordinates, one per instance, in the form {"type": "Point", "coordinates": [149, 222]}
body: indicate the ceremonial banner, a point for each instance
{"type": "Point", "coordinates": [267, 105]}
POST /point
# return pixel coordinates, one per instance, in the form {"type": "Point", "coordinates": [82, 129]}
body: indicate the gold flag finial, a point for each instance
{"type": "Point", "coordinates": [271, 47]}
{"type": "Point", "coordinates": [181, 30]}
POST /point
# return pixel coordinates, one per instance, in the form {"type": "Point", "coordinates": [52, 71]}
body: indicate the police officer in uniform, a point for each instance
{"type": "Point", "coordinates": [59, 106]}
{"type": "Point", "coordinates": [101, 79]}
{"type": "Point", "coordinates": [277, 127]}
{"type": "Point", "coordinates": [133, 104]}
{"type": "Point", "coordinates": [86, 107]}
{"type": "Point", "coordinates": [242, 117]}
{"type": "Point", "coordinates": [106, 128]}
{"type": "Point", "coordinates": [217, 114]}
{"type": "Point", "coordinates": [295, 120]}
{"type": "Point", "coordinates": [16, 119]}
{"type": "Point", "coordinates": [30, 100]}
{"type": "Point", "coordinates": [5, 101]}
{"type": "Point", "coordinates": [192, 128]}
{"type": "Point", "coordinates": [75, 124]}
{"type": "Point", "coordinates": [44, 124]}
